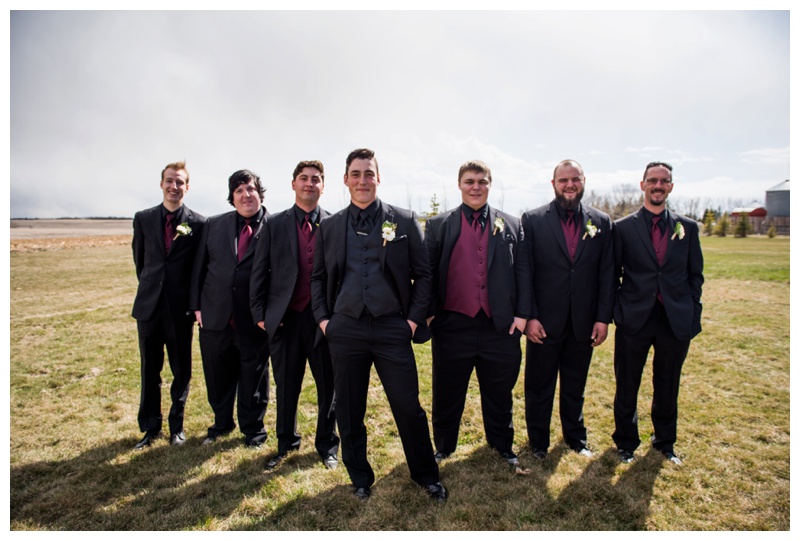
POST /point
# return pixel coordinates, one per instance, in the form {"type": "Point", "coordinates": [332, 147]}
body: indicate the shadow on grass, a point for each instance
{"type": "Point", "coordinates": [113, 487]}
{"type": "Point", "coordinates": [224, 486]}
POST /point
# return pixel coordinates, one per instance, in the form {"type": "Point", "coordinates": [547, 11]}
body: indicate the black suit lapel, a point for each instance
{"type": "Point", "coordinates": [670, 228]}
{"type": "Point", "coordinates": [555, 226]}
{"type": "Point", "coordinates": [291, 232]}
{"type": "Point", "coordinates": [158, 229]}
{"type": "Point", "coordinates": [232, 235]}
{"type": "Point", "coordinates": [643, 228]}
{"type": "Point", "coordinates": [582, 237]}
{"type": "Point", "coordinates": [493, 234]}
{"type": "Point", "coordinates": [385, 215]}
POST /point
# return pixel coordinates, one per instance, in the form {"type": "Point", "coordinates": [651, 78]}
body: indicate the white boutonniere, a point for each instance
{"type": "Point", "coordinates": [591, 230]}
{"type": "Point", "coordinates": [182, 230]}
{"type": "Point", "coordinates": [389, 229]}
{"type": "Point", "coordinates": [679, 231]}
{"type": "Point", "coordinates": [499, 225]}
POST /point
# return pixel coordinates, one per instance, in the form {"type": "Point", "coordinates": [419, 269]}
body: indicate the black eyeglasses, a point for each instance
{"type": "Point", "coordinates": [655, 181]}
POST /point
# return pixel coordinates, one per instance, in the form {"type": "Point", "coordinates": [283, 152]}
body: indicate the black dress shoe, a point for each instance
{"type": "Point", "coordinates": [539, 454]}
{"type": "Point", "coordinates": [149, 437]}
{"type": "Point", "coordinates": [362, 493]}
{"type": "Point", "coordinates": [670, 455]}
{"type": "Point", "coordinates": [274, 461]}
{"type": "Point", "coordinates": [253, 444]}
{"type": "Point", "coordinates": [439, 457]}
{"type": "Point", "coordinates": [331, 462]}
{"type": "Point", "coordinates": [178, 438]}
{"type": "Point", "coordinates": [437, 492]}
{"type": "Point", "coordinates": [625, 456]}
{"type": "Point", "coordinates": [510, 458]}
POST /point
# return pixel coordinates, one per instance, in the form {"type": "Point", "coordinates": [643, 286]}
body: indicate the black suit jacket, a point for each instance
{"type": "Point", "coordinates": [221, 283]}
{"type": "Point", "coordinates": [275, 269]}
{"type": "Point", "coordinates": [404, 262]}
{"type": "Point", "coordinates": [679, 278]}
{"type": "Point", "coordinates": [159, 271]}
{"type": "Point", "coordinates": [583, 288]}
{"type": "Point", "coordinates": [509, 279]}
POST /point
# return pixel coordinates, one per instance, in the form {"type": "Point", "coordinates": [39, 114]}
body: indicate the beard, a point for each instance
{"type": "Point", "coordinates": [569, 204]}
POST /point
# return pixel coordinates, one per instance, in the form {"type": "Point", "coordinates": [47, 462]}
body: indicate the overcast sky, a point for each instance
{"type": "Point", "coordinates": [101, 101]}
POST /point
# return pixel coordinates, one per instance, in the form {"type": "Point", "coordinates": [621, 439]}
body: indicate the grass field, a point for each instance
{"type": "Point", "coordinates": [74, 391]}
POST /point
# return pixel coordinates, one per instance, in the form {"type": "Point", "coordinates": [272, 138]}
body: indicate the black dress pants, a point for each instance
{"type": "Point", "coordinates": [630, 356]}
{"type": "Point", "coordinates": [568, 358]}
{"type": "Point", "coordinates": [461, 344]}
{"type": "Point", "coordinates": [357, 344]}
{"type": "Point", "coordinates": [235, 364]}
{"type": "Point", "coordinates": [154, 335]}
{"type": "Point", "coordinates": [290, 347]}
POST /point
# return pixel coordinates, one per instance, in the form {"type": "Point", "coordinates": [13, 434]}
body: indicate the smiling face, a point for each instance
{"type": "Point", "coordinates": [474, 186]}
{"type": "Point", "coordinates": [308, 186]}
{"type": "Point", "coordinates": [246, 199]}
{"type": "Point", "coordinates": [362, 179]}
{"type": "Point", "coordinates": [657, 185]}
{"type": "Point", "coordinates": [568, 183]}
{"type": "Point", "coordinates": [175, 184]}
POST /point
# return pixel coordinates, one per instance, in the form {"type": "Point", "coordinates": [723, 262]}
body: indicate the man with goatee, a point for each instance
{"type": "Point", "coordinates": [659, 265]}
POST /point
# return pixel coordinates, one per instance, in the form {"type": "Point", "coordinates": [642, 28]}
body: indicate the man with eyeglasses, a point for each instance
{"type": "Point", "coordinates": [659, 264]}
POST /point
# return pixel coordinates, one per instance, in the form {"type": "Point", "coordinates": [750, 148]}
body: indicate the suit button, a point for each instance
{"type": "Point", "coordinates": [308, 249]}
{"type": "Point", "coordinates": [366, 287]}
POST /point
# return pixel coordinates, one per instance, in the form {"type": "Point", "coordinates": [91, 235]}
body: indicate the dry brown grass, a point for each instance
{"type": "Point", "coordinates": [74, 384]}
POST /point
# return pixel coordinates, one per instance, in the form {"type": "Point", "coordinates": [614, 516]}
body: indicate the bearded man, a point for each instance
{"type": "Point", "coordinates": [572, 264]}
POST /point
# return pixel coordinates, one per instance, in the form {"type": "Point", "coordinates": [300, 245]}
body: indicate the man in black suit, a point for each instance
{"type": "Point", "coordinates": [659, 264]}
{"type": "Point", "coordinates": [370, 288]}
{"type": "Point", "coordinates": [164, 242]}
{"type": "Point", "coordinates": [235, 351]}
{"type": "Point", "coordinates": [572, 259]}
{"type": "Point", "coordinates": [280, 300]}
{"type": "Point", "coordinates": [478, 310]}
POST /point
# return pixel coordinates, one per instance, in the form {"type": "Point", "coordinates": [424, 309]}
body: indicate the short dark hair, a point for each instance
{"type": "Point", "coordinates": [361, 154]}
{"type": "Point", "coordinates": [475, 166]}
{"type": "Point", "coordinates": [243, 176]}
{"type": "Point", "coordinates": [316, 164]}
{"type": "Point", "coordinates": [177, 166]}
{"type": "Point", "coordinates": [656, 164]}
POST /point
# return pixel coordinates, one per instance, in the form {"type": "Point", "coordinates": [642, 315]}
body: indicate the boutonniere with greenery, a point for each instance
{"type": "Point", "coordinates": [678, 232]}
{"type": "Point", "coordinates": [499, 225]}
{"type": "Point", "coordinates": [591, 230]}
{"type": "Point", "coordinates": [182, 230]}
{"type": "Point", "coordinates": [389, 229]}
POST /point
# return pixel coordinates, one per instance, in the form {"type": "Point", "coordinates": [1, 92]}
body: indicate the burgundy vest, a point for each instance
{"type": "Point", "coordinates": [467, 275]}
{"type": "Point", "coordinates": [301, 295]}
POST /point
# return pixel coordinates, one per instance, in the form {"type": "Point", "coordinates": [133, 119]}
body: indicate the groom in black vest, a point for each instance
{"type": "Point", "coordinates": [370, 288]}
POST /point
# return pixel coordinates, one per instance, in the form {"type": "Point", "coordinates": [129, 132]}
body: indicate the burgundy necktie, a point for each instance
{"type": "Point", "coordinates": [476, 224]}
{"type": "Point", "coordinates": [244, 239]}
{"type": "Point", "coordinates": [658, 239]}
{"type": "Point", "coordinates": [572, 234]}
{"type": "Point", "coordinates": [659, 246]}
{"type": "Point", "coordinates": [307, 230]}
{"type": "Point", "coordinates": [169, 231]}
